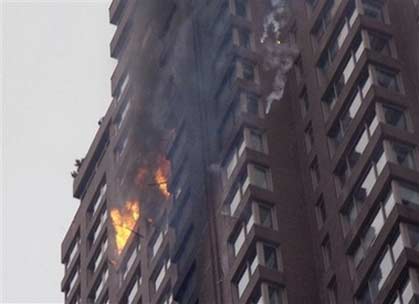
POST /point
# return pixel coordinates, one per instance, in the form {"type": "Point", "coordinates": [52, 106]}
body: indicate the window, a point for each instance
{"type": "Point", "coordinates": [394, 116]}
{"type": "Point", "coordinates": [320, 213]}
{"type": "Point", "coordinates": [387, 78]}
{"type": "Point", "coordinates": [400, 192]}
{"type": "Point", "coordinates": [121, 147]}
{"type": "Point", "coordinates": [252, 105]}
{"type": "Point", "coordinates": [248, 269]}
{"type": "Point", "coordinates": [124, 84]}
{"type": "Point", "coordinates": [255, 139]}
{"type": "Point", "coordinates": [270, 256]}
{"type": "Point", "coordinates": [98, 225]}
{"type": "Point", "coordinates": [241, 8]}
{"type": "Point", "coordinates": [264, 214]}
{"type": "Point", "coordinates": [373, 9]}
{"type": "Point", "coordinates": [259, 176]}
{"type": "Point", "coordinates": [358, 95]}
{"type": "Point", "coordinates": [379, 43]}
{"type": "Point", "coordinates": [369, 235]}
{"type": "Point", "coordinates": [244, 36]}
{"type": "Point", "coordinates": [327, 253]}
{"type": "Point", "coordinates": [404, 294]}
{"type": "Point", "coordinates": [233, 157]}
{"type": "Point", "coordinates": [324, 20]}
{"type": "Point", "coordinates": [248, 70]}
{"type": "Point", "coordinates": [333, 292]}
{"type": "Point", "coordinates": [98, 198]}
{"type": "Point", "coordinates": [413, 233]}
{"type": "Point", "coordinates": [72, 282]}
{"type": "Point", "coordinates": [309, 139]}
{"type": "Point", "coordinates": [358, 146]}
{"type": "Point", "coordinates": [73, 251]}
{"type": "Point", "coordinates": [404, 155]}
{"type": "Point", "coordinates": [241, 187]}
{"type": "Point", "coordinates": [268, 294]}
{"type": "Point", "coordinates": [275, 295]}
{"type": "Point", "coordinates": [103, 278]}
{"type": "Point", "coordinates": [133, 290]}
{"type": "Point", "coordinates": [381, 271]}
{"type": "Point", "coordinates": [131, 259]}
{"type": "Point", "coordinates": [240, 236]}
{"type": "Point", "coordinates": [164, 267]}
{"type": "Point", "coordinates": [409, 194]}
{"type": "Point", "coordinates": [158, 241]}
{"type": "Point", "coordinates": [315, 174]}
{"type": "Point", "coordinates": [120, 118]}
{"type": "Point", "coordinates": [100, 255]}
{"type": "Point", "coordinates": [304, 103]}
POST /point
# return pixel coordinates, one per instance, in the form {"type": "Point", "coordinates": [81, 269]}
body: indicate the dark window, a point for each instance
{"type": "Point", "coordinates": [265, 215]}
{"type": "Point", "coordinates": [241, 8]}
{"type": "Point", "coordinates": [270, 256]}
{"type": "Point", "coordinates": [387, 78]}
{"type": "Point", "coordinates": [248, 70]}
{"type": "Point", "coordinates": [404, 155]}
{"type": "Point", "coordinates": [380, 43]}
{"type": "Point", "coordinates": [315, 174]}
{"type": "Point", "coordinates": [309, 139]}
{"type": "Point", "coordinates": [373, 9]}
{"type": "Point", "coordinates": [244, 38]}
{"type": "Point", "coordinates": [395, 117]}
{"type": "Point", "coordinates": [327, 253]}
{"type": "Point", "coordinates": [321, 213]}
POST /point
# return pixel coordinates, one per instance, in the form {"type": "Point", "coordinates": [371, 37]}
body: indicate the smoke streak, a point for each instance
{"type": "Point", "coordinates": [279, 56]}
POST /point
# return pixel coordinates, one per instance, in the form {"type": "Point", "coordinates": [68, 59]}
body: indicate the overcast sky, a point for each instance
{"type": "Point", "coordinates": [55, 87]}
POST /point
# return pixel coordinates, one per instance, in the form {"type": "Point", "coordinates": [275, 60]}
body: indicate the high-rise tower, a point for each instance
{"type": "Point", "coordinates": [197, 190]}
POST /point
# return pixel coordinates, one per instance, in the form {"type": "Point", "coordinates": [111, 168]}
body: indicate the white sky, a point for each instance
{"type": "Point", "coordinates": [55, 86]}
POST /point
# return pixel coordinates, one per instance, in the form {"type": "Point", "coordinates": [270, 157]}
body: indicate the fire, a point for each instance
{"type": "Point", "coordinates": [161, 176]}
{"type": "Point", "coordinates": [124, 222]}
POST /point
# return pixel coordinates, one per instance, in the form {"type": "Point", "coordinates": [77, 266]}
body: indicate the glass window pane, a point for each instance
{"type": "Point", "coordinates": [407, 293]}
{"type": "Point", "coordinates": [259, 177]}
{"type": "Point", "coordinates": [413, 232]}
{"type": "Point", "coordinates": [239, 241]}
{"type": "Point", "coordinates": [373, 10]}
{"type": "Point", "coordinates": [274, 295]}
{"type": "Point", "coordinates": [253, 265]}
{"type": "Point", "coordinates": [369, 182]}
{"type": "Point", "coordinates": [243, 281]}
{"type": "Point", "coordinates": [374, 229]}
{"type": "Point", "coordinates": [256, 140]}
{"type": "Point", "coordinates": [379, 275]}
{"type": "Point", "coordinates": [387, 79]}
{"type": "Point", "coordinates": [270, 257]}
{"type": "Point", "coordinates": [358, 149]}
{"type": "Point", "coordinates": [265, 214]}
{"type": "Point", "coordinates": [342, 35]}
{"type": "Point", "coordinates": [347, 71]}
{"type": "Point", "coordinates": [389, 203]}
{"type": "Point", "coordinates": [379, 43]}
{"type": "Point", "coordinates": [409, 194]}
{"type": "Point", "coordinates": [394, 117]}
{"type": "Point", "coordinates": [380, 161]}
{"type": "Point", "coordinates": [235, 202]}
{"type": "Point", "coordinates": [231, 163]}
{"type": "Point", "coordinates": [397, 247]}
{"type": "Point", "coordinates": [404, 155]}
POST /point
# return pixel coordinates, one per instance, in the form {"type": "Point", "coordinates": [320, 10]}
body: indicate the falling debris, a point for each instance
{"type": "Point", "coordinates": [124, 222]}
{"type": "Point", "coordinates": [279, 55]}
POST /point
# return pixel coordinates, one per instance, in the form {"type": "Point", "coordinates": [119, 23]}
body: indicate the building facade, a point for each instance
{"type": "Point", "coordinates": [192, 192]}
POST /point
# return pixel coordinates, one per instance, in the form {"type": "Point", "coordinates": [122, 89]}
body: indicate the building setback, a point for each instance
{"type": "Point", "coordinates": [192, 193]}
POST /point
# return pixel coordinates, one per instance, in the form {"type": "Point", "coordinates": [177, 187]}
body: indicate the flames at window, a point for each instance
{"type": "Point", "coordinates": [124, 222]}
{"type": "Point", "coordinates": [161, 176]}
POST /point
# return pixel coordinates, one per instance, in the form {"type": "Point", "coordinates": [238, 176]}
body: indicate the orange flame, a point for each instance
{"type": "Point", "coordinates": [124, 222]}
{"type": "Point", "coordinates": [161, 176]}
